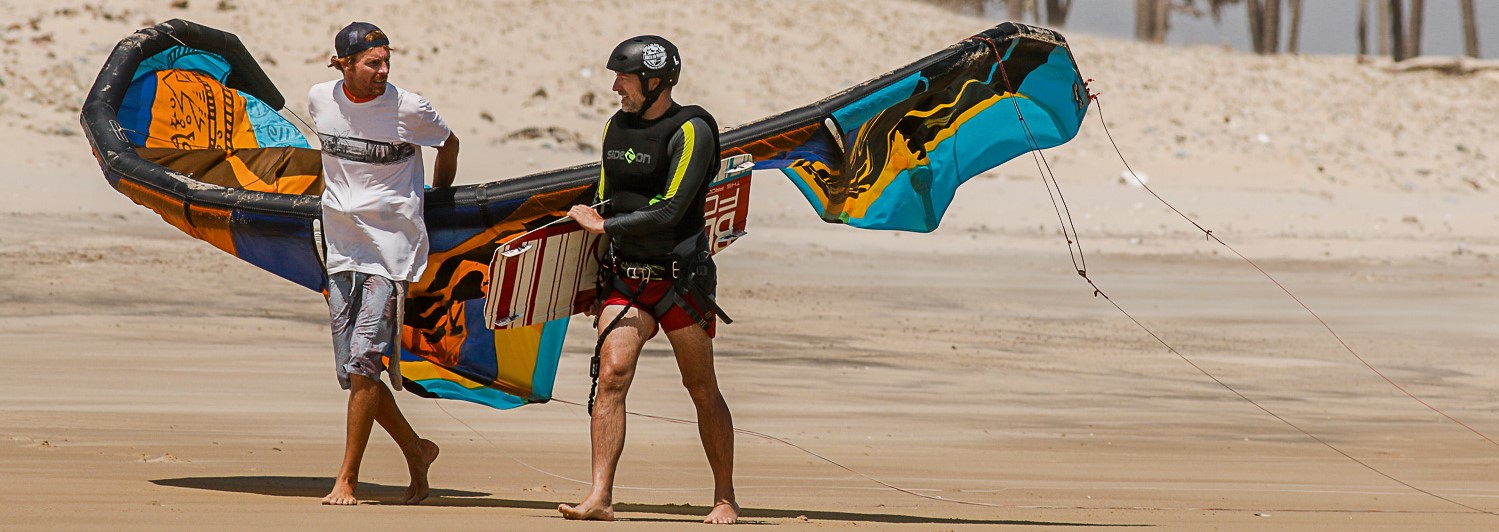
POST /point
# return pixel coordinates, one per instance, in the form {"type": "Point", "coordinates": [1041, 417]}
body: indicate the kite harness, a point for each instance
{"type": "Point", "coordinates": [692, 276]}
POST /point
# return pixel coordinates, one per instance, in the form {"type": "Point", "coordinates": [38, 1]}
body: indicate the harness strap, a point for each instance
{"type": "Point", "coordinates": [678, 296]}
{"type": "Point", "coordinates": [681, 287]}
{"type": "Point", "coordinates": [598, 348]}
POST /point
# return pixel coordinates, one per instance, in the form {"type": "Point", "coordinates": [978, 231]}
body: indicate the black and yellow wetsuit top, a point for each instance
{"type": "Point", "coordinates": [656, 174]}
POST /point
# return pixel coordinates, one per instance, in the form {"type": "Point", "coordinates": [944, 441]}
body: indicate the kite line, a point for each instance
{"type": "Point", "coordinates": [746, 432]}
{"type": "Point", "coordinates": [1050, 178]}
{"type": "Point", "coordinates": [1210, 236]}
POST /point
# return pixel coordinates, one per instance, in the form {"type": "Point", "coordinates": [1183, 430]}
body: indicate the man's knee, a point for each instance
{"type": "Point", "coordinates": [363, 386]}
{"type": "Point", "coordinates": [701, 386]}
{"type": "Point", "coordinates": [615, 376]}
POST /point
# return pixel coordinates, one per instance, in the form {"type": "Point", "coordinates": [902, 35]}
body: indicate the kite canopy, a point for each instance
{"type": "Point", "coordinates": [183, 121]}
{"type": "Point", "coordinates": [891, 153]}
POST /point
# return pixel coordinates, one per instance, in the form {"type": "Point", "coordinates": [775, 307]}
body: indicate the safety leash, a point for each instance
{"type": "Point", "coordinates": [598, 347]}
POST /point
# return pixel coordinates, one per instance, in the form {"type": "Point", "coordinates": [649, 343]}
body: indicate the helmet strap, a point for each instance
{"type": "Point", "coordinates": [651, 95]}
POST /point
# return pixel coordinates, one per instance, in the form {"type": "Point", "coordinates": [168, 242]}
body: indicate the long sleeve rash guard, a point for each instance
{"type": "Point", "coordinates": [690, 153]}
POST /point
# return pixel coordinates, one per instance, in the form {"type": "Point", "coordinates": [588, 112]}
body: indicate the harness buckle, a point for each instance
{"type": "Point", "coordinates": [648, 271]}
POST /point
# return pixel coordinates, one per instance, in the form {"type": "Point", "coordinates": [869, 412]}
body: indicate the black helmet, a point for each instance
{"type": "Point", "coordinates": [649, 56]}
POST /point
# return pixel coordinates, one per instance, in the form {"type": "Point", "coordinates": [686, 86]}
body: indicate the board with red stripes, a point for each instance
{"type": "Point", "coordinates": [550, 272]}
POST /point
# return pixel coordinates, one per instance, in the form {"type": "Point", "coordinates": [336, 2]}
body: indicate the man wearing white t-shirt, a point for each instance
{"type": "Point", "coordinates": [375, 237]}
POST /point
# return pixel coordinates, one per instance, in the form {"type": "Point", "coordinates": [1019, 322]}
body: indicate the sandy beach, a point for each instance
{"type": "Point", "coordinates": [154, 382]}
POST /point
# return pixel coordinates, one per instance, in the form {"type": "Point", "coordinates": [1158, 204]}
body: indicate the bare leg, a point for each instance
{"type": "Point", "coordinates": [607, 428]}
{"type": "Point", "coordinates": [364, 401]}
{"type": "Point", "coordinates": [370, 401]}
{"type": "Point", "coordinates": [715, 425]}
{"type": "Point", "coordinates": [419, 453]}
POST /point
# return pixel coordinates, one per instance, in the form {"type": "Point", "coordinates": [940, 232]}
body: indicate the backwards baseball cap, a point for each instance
{"type": "Point", "coordinates": [358, 37]}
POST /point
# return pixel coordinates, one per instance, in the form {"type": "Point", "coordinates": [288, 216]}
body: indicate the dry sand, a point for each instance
{"type": "Point", "coordinates": [153, 382]}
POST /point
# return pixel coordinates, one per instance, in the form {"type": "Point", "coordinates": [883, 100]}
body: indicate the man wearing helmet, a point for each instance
{"type": "Point", "coordinates": [658, 159]}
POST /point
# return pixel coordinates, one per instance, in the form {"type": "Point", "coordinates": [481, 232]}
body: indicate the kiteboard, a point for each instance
{"type": "Point", "coordinates": [550, 272]}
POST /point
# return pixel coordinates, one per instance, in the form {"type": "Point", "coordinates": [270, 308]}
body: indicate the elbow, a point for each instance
{"type": "Point", "coordinates": [450, 146]}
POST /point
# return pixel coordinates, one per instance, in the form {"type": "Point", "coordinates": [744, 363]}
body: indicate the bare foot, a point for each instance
{"type": "Point", "coordinates": [724, 513]}
{"type": "Point", "coordinates": [342, 494]}
{"type": "Point", "coordinates": [587, 510]}
{"type": "Point", "coordinates": [418, 490]}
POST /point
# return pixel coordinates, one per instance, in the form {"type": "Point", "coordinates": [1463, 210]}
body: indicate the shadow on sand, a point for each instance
{"type": "Point", "coordinates": [369, 493]}
{"type": "Point", "coordinates": [314, 487]}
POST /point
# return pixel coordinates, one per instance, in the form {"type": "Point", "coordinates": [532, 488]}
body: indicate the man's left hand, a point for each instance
{"type": "Point", "coordinates": [588, 218]}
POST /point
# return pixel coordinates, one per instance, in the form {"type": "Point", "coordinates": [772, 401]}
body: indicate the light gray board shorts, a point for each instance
{"type": "Point", "coordinates": [361, 309]}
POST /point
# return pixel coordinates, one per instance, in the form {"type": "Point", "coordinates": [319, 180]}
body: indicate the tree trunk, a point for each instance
{"type": "Point", "coordinates": [1256, 25]}
{"type": "Point", "coordinates": [1272, 26]}
{"type": "Point", "coordinates": [1017, 10]}
{"type": "Point", "coordinates": [1397, 32]}
{"type": "Point", "coordinates": [1363, 27]}
{"type": "Point", "coordinates": [1216, 8]}
{"type": "Point", "coordinates": [1150, 20]}
{"type": "Point", "coordinates": [1470, 29]}
{"type": "Point", "coordinates": [1382, 25]}
{"type": "Point", "coordinates": [1142, 19]}
{"type": "Point", "coordinates": [1264, 25]}
{"type": "Point", "coordinates": [1056, 12]}
{"type": "Point", "coordinates": [1162, 14]}
{"type": "Point", "coordinates": [1294, 46]}
{"type": "Point", "coordinates": [1413, 29]}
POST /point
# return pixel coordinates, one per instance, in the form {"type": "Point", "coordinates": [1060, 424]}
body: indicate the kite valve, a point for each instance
{"type": "Point", "coordinates": [118, 130]}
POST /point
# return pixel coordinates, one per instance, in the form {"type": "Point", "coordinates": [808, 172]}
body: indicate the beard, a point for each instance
{"type": "Point", "coordinates": [629, 105]}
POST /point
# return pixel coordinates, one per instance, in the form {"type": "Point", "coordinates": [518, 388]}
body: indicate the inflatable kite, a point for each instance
{"type": "Point", "coordinates": [184, 122]}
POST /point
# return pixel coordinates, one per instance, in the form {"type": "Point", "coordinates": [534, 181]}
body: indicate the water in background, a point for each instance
{"type": "Point", "coordinates": [1327, 26]}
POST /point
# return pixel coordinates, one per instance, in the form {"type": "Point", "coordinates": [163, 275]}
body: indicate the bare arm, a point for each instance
{"type": "Point", "coordinates": [447, 163]}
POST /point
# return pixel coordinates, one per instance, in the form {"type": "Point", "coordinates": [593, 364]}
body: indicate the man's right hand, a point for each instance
{"type": "Point", "coordinates": [588, 218]}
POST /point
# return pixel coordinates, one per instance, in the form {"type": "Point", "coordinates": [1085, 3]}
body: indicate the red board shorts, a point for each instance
{"type": "Point", "coordinates": [674, 318]}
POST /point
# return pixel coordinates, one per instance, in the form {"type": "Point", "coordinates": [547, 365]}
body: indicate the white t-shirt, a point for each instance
{"type": "Point", "coordinates": [372, 213]}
